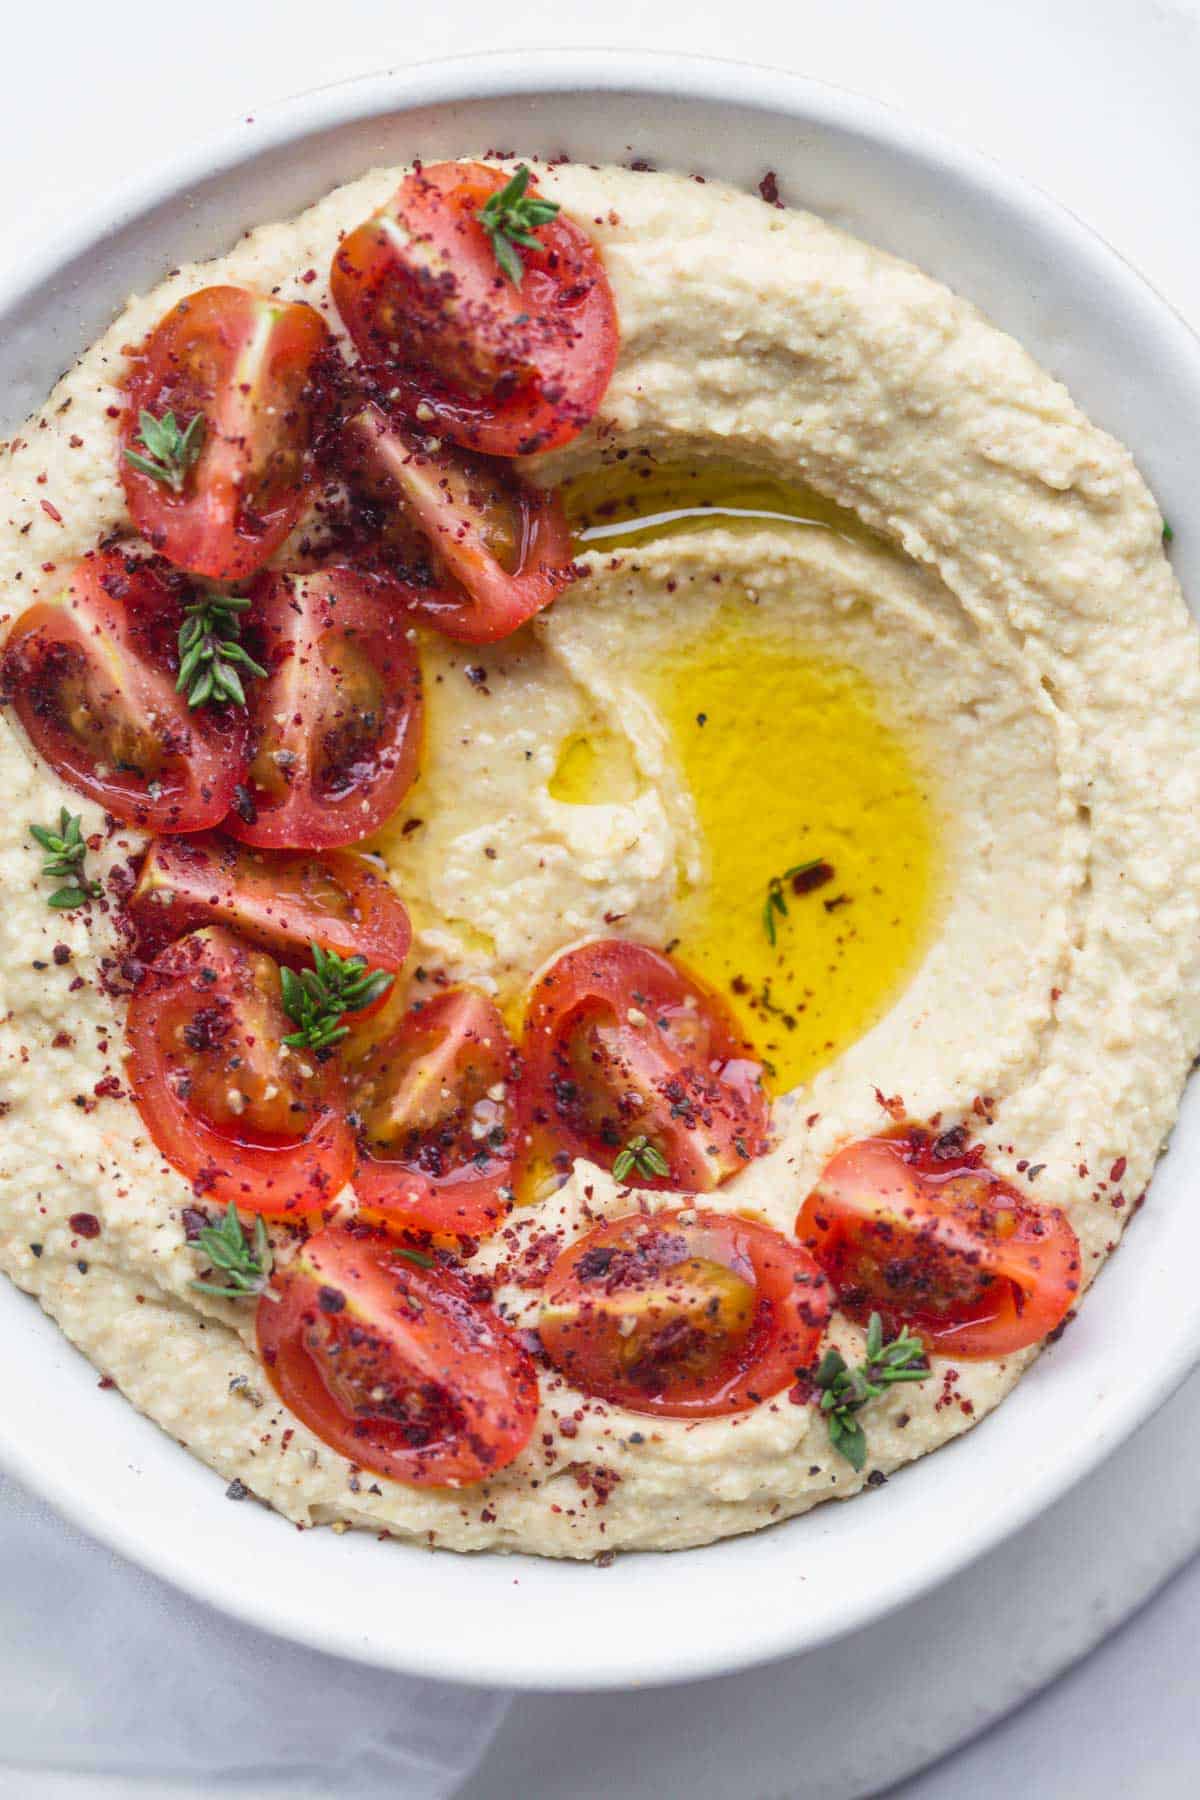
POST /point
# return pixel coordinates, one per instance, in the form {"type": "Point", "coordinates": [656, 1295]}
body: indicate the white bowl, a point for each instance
{"type": "Point", "coordinates": [649, 1618]}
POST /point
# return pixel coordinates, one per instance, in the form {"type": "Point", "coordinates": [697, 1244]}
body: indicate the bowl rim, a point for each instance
{"type": "Point", "coordinates": [497, 75]}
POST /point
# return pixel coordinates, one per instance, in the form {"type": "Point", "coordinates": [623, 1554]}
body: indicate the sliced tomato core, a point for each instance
{"type": "Point", "coordinates": [396, 1366]}
{"type": "Point", "coordinates": [629, 1061]}
{"type": "Point", "coordinates": [91, 677]}
{"type": "Point", "coordinates": [496, 367]}
{"type": "Point", "coordinates": [683, 1313]}
{"type": "Point", "coordinates": [250, 367]}
{"type": "Point", "coordinates": [433, 1103]}
{"type": "Point", "coordinates": [231, 1106]}
{"type": "Point", "coordinates": [284, 902]}
{"type": "Point", "coordinates": [501, 548]}
{"type": "Point", "coordinates": [917, 1228]}
{"type": "Point", "coordinates": [336, 727]}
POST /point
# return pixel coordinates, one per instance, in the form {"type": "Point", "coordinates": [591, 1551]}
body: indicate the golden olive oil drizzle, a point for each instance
{"type": "Point", "coordinates": [788, 758]}
{"type": "Point", "coordinates": [620, 504]}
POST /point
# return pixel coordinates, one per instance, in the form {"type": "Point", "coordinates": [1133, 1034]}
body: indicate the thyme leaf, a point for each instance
{"type": "Point", "coordinates": [317, 998]}
{"type": "Point", "coordinates": [776, 900]}
{"type": "Point", "coordinates": [169, 452]}
{"type": "Point", "coordinates": [845, 1390]}
{"type": "Point", "coordinates": [210, 653]}
{"type": "Point", "coordinates": [640, 1154]}
{"type": "Point", "coordinates": [66, 852]}
{"type": "Point", "coordinates": [247, 1266]}
{"type": "Point", "coordinates": [510, 218]}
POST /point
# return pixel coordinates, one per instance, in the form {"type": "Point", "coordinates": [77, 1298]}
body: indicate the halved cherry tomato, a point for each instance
{"type": "Point", "coordinates": [623, 1049]}
{"type": "Point", "coordinates": [249, 365]}
{"type": "Point", "coordinates": [496, 367]}
{"type": "Point", "coordinates": [918, 1229]}
{"type": "Point", "coordinates": [234, 1109]}
{"type": "Point", "coordinates": [91, 677]}
{"type": "Point", "coordinates": [433, 1103]}
{"type": "Point", "coordinates": [396, 1366]}
{"type": "Point", "coordinates": [336, 728]}
{"type": "Point", "coordinates": [283, 902]}
{"type": "Point", "coordinates": [684, 1313]}
{"type": "Point", "coordinates": [501, 548]}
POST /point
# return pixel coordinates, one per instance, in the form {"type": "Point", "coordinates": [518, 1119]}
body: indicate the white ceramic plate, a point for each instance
{"type": "Point", "coordinates": [649, 1618]}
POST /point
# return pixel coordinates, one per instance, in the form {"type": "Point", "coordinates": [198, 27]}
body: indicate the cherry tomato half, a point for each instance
{"type": "Point", "coordinates": [336, 727]}
{"type": "Point", "coordinates": [248, 366]}
{"type": "Point", "coordinates": [433, 1102]}
{"type": "Point", "coordinates": [625, 1053]}
{"type": "Point", "coordinates": [685, 1313]}
{"type": "Point", "coordinates": [496, 367]}
{"type": "Point", "coordinates": [282, 902]}
{"type": "Point", "coordinates": [91, 677]}
{"type": "Point", "coordinates": [396, 1366]}
{"type": "Point", "coordinates": [501, 548]}
{"type": "Point", "coordinates": [229, 1105]}
{"type": "Point", "coordinates": [934, 1240]}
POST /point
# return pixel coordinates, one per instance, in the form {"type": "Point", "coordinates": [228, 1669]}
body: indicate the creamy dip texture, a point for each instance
{"type": "Point", "coordinates": [968, 679]}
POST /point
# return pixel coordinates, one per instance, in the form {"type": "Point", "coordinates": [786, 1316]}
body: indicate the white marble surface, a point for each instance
{"type": "Point", "coordinates": [1095, 100]}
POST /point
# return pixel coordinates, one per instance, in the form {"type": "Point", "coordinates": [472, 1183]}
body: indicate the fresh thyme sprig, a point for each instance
{"type": "Point", "coordinates": [318, 997]}
{"type": "Point", "coordinates": [170, 452]}
{"type": "Point", "coordinates": [247, 1266]}
{"type": "Point", "coordinates": [65, 853]}
{"type": "Point", "coordinates": [640, 1154]}
{"type": "Point", "coordinates": [776, 900]}
{"type": "Point", "coordinates": [210, 651]}
{"type": "Point", "coordinates": [510, 219]}
{"type": "Point", "coordinates": [844, 1390]}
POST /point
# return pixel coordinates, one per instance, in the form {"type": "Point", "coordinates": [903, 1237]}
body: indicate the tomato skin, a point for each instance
{"type": "Point", "coordinates": [205, 1020]}
{"type": "Point", "coordinates": [282, 901]}
{"type": "Point", "coordinates": [620, 1042]}
{"type": "Point", "coordinates": [250, 364]}
{"type": "Point", "coordinates": [336, 728]}
{"type": "Point", "coordinates": [459, 504]}
{"type": "Point", "coordinates": [924, 1233]}
{"type": "Point", "coordinates": [421, 1163]}
{"type": "Point", "coordinates": [583, 1320]}
{"type": "Point", "coordinates": [91, 677]}
{"type": "Point", "coordinates": [500, 369]}
{"type": "Point", "coordinates": [459, 1392]}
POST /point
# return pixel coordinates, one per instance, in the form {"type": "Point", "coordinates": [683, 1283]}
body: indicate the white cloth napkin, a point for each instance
{"type": "Point", "coordinates": [114, 1683]}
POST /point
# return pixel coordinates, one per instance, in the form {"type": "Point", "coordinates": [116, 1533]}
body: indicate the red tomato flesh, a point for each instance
{"type": "Point", "coordinates": [498, 368]}
{"type": "Point", "coordinates": [689, 1314]}
{"type": "Point", "coordinates": [501, 549]}
{"type": "Point", "coordinates": [336, 728]}
{"type": "Point", "coordinates": [284, 902]}
{"type": "Point", "coordinates": [621, 1044]}
{"type": "Point", "coordinates": [433, 1101]}
{"type": "Point", "coordinates": [91, 677]}
{"type": "Point", "coordinates": [228, 1104]}
{"type": "Point", "coordinates": [250, 365]}
{"type": "Point", "coordinates": [396, 1366]}
{"type": "Point", "coordinates": [930, 1238]}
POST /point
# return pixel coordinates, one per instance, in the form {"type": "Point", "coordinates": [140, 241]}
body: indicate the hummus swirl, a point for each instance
{"type": "Point", "coordinates": [1013, 605]}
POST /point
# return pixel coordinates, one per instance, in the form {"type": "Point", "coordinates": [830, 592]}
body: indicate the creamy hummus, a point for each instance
{"type": "Point", "coordinates": [1011, 608]}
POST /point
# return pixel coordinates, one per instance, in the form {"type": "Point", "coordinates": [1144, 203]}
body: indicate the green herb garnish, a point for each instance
{"type": "Point", "coordinates": [640, 1154]}
{"type": "Point", "coordinates": [510, 219]}
{"type": "Point", "coordinates": [65, 854]}
{"type": "Point", "coordinates": [844, 1390]}
{"type": "Point", "coordinates": [210, 652]}
{"type": "Point", "coordinates": [413, 1256]}
{"type": "Point", "coordinates": [317, 998]}
{"type": "Point", "coordinates": [247, 1266]}
{"type": "Point", "coordinates": [776, 900]}
{"type": "Point", "coordinates": [1168, 532]}
{"type": "Point", "coordinates": [170, 452]}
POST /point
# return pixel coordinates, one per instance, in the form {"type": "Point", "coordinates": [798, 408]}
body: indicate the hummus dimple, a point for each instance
{"type": "Point", "coordinates": [1014, 619]}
